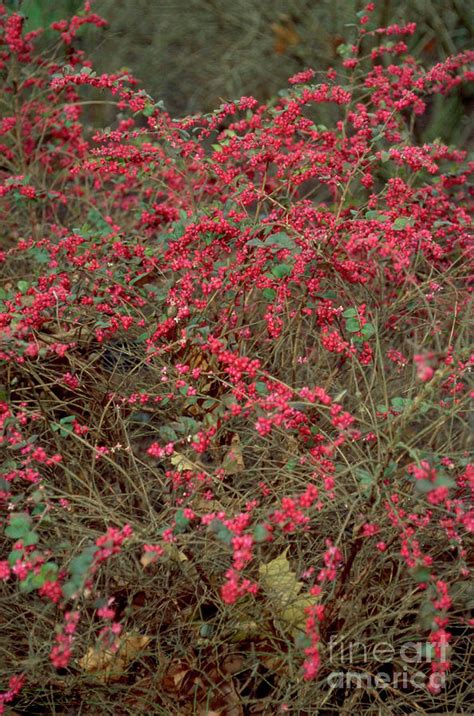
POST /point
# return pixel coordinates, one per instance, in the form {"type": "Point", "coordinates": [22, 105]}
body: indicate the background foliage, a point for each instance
{"type": "Point", "coordinates": [194, 54]}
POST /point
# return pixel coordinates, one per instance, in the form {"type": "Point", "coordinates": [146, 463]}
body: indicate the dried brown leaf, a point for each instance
{"type": "Point", "coordinates": [107, 665]}
{"type": "Point", "coordinates": [283, 588]}
{"type": "Point", "coordinates": [233, 462]}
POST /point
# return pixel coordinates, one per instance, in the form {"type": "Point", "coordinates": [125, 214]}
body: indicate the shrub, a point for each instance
{"type": "Point", "coordinates": [235, 400]}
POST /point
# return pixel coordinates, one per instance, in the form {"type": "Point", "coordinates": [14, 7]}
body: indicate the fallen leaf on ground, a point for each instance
{"type": "Point", "coordinates": [175, 675]}
{"type": "Point", "coordinates": [233, 462]}
{"type": "Point", "coordinates": [283, 588]}
{"type": "Point", "coordinates": [181, 462]}
{"type": "Point", "coordinates": [108, 665]}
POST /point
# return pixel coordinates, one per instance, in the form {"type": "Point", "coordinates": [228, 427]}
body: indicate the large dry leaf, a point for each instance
{"type": "Point", "coordinates": [58, 335]}
{"type": "Point", "coordinates": [283, 588]}
{"type": "Point", "coordinates": [200, 504]}
{"type": "Point", "coordinates": [181, 462]}
{"type": "Point", "coordinates": [244, 630]}
{"type": "Point", "coordinates": [233, 462]}
{"type": "Point", "coordinates": [107, 665]}
{"type": "Point", "coordinates": [175, 674]}
{"type": "Point", "coordinates": [170, 551]}
{"type": "Point", "coordinates": [148, 558]}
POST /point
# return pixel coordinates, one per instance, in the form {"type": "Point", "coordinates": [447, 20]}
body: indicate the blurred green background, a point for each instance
{"type": "Point", "coordinates": [194, 54]}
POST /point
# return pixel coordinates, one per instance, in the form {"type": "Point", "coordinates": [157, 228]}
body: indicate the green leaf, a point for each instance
{"type": "Point", "coordinates": [49, 571]}
{"type": "Point", "coordinates": [390, 469]}
{"type": "Point", "coordinates": [222, 532]}
{"type": "Point", "coordinates": [14, 556]}
{"type": "Point", "coordinates": [23, 286]}
{"type": "Point", "coordinates": [260, 533]}
{"type": "Point", "coordinates": [206, 631]}
{"type": "Point", "coordinates": [376, 216]}
{"type": "Point", "coordinates": [281, 270]}
{"type": "Point", "coordinates": [291, 464]}
{"type": "Point", "coordinates": [402, 222]}
{"type": "Point", "coordinates": [181, 522]}
{"type": "Point", "coordinates": [186, 425]}
{"type": "Point", "coordinates": [350, 313]}
{"type": "Point", "coordinates": [332, 295]}
{"type": "Point", "coordinates": [30, 538]}
{"type": "Point", "coordinates": [368, 330]}
{"type": "Point", "coordinates": [80, 565]}
{"type": "Point", "coordinates": [426, 615]}
{"type": "Point", "coordinates": [269, 293]}
{"type": "Point", "coordinates": [167, 433]}
{"type": "Point", "coordinates": [425, 407]}
{"type": "Point", "coordinates": [19, 525]}
{"type": "Point", "coordinates": [444, 481]}
{"type": "Point", "coordinates": [35, 581]}
{"type": "Point", "coordinates": [261, 388]}
{"type": "Point", "coordinates": [424, 486]}
{"type": "Point", "coordinates": [38, 509]}
{"type": "Point", "coordinates": [64, 427]}
{"type": "Point", "coordinates": [302, 641]}
{"type": "Point", "coordinates": [399, 404]}
{"type": "Point", "coordinates": [281, 240]}
{"type": "Point", "coordinates": [344, 50]}
{"type": "Point", "coordinates": [365, 478]}
{"type": "Point", "coordinates": [352, 325]}
{"type": "Point", "coordinates": [28, 585]}
{"type": "Point", "coordinates": [210, 403]}
{"type": "Point", "coordinates": [70, 588]}
{"type": "Point", "coordinates": [421, 574]}
{"type": "Point", "coordinates": [41, 256]}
